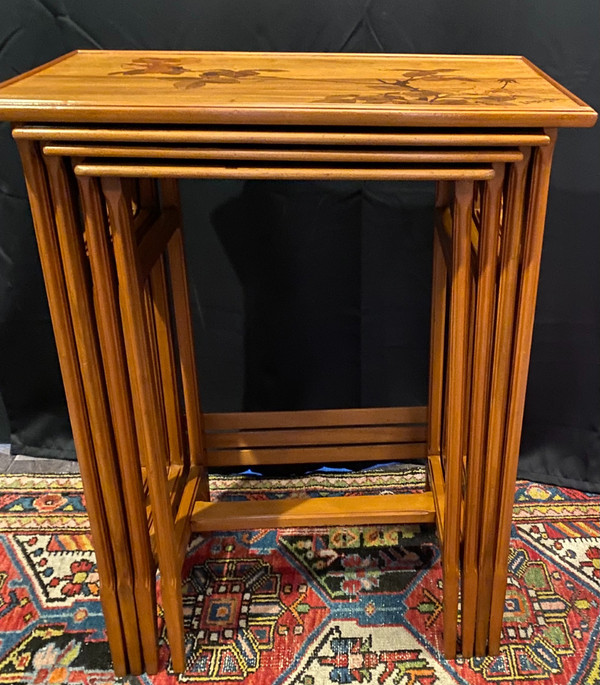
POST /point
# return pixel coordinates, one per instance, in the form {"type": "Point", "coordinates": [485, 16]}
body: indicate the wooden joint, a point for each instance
{"type": "Point", "coordinates": [436, 480]}
{"type": "Point", "coordinates": [443, 233]}
{"type": "Point", "coordinates": [155, 241]}
{"type": "Point", "coordinates": [185, 509]}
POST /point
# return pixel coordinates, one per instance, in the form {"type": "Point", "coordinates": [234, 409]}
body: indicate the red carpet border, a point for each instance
{"type": "Point", "coordinates": [304, 606]}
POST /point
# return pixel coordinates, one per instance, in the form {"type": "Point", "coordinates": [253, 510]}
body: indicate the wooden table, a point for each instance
{"type": "Point", "coordinates": [103, 138]}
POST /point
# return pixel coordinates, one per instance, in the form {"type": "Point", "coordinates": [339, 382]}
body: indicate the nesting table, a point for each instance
{"type": "Point", "coordinates": [103, 138]}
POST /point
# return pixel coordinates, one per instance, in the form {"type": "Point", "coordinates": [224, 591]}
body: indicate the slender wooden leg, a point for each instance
{"type": "Point", "coordinates": [187, 358]}
{"type": "Point", "coordinates": [482, 349]}
{"type": "Point", "coordinates": [84, 326]}
{"type": "Point", "coordinates": [501, 362]}
{"type": "Point", "coordinates": [167, 387]}
{"type": "Point", "coordinates": [166, 362]}
{"type": "Point", "coordinates": [437, 343]}
{"type": "Point", "coordinates": [436, 373]}
{"type": "Point", "coordinates": [113, 354]}
{"type": "Point", "coordinates": [153, 333]}
{"type": "Point", "coordinates": [470, 333]}
{"type": "Point", "coordinates": [442, 242]}
{"type": "Point", "coordinates": [43, 219]}
{"type": "Point", "coordinates": [147, 409]}
{"type": "Point", "coordinates": [532, 253]}
{"type": "Point", "coordinates": [457, 338]}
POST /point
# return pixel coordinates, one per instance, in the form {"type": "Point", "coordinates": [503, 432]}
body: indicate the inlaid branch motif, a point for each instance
{"type": "Point", "coordinates": [219, 76]}
{"type": "Point", "coordinates": [441, 86]}
{"type": "Point", "coordinates": [151, 65]}
{"type": "Point", "coordinates": [405, 91]}
{"type": "Point", "coordinates": [173, 67]}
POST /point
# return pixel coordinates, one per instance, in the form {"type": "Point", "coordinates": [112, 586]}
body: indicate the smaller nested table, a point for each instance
{"type": "Point", "coordinates": [103, 138]}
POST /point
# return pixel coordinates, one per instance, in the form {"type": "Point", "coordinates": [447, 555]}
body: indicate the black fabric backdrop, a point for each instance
{"type": "Point", "coordinates": [313, 294]}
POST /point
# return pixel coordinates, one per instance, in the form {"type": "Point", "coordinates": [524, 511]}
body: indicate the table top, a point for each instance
{"type": "Point", "coordinates": [293, 89]}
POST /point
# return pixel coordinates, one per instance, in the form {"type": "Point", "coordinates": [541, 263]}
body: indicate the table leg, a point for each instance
{"type": "Point", "coordinates": [43, 220]}
{"type": "Point", "coordinates": [185, 339]}
{"type": "Point", "coordinates": [532, 252]}
{"type": "Point", "coordinates": [501, 364]}
{"type": "Point", "coordinates": [437, 339]}
{"type": "Point", "coordinates": [119, 393]}
{"type": "Point", "coordinates": [159, 313]}
{"type": "Point", "coordinates": [147, 410]}
{"type": "Point", "coordinates": [457, 353]}
{"type": "Point", "coordinates": [79, 293]}
{"type": "Point", "coordinates": [482, 348]}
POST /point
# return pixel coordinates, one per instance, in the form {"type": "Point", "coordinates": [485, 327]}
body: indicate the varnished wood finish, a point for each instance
{"type": "Point", "coordinates": [436, 347]}
{"type": "Point", "coordinates": [444, 236]}
{"type": "Point", "coordinates": [167, 363]}
{"type": "Point", "coordinates": [476, 425]}
{"type": "Point", "coordinates": [376, 416]}
{"type": "Point", "coordinates": [185, 336]}
{"type": "Point", "coordinates": [458, 325]}
{"type": "Point", "coordinates": [354, 155]}
{"type": "Point", "coordinates": [469, 334]}
{"type": "Point", "coordinates": [297, 173]}
{"type": "Point", "coordinates": [317, 511]}
{"type": "Point", "coordinates": [119, 391]}
{"type": "Point", "coordinates": [155, 241]}
{"type": "Point", "coordinates": [502, 350]}
{"type": "Point", "coordinates": [147, 408]}
{"type": "Point", "coordinates": [507, 137]}
{"type": "Point", "coordinates": [532, 252]}
{"type": "Point", "coordinates": [317, 436]}
{"type": "Point", "coordinates": [36, 70]}
{"type": "Point", "coordinates": [436, 479]}
{"type": "Point", "coordinates": [319, 454]}
{"type": "Point", "coordinates": [146, 195]}
{"type": "Point", "coordinates": [292, 88]}
{"type": "Point", "coordinates": [43, 221]}
{"type": "Point", "coordinates": [192, 493]}
{"type": "Point", "coordinates": [72, 250]}
{"type": "Point", "coordinates": [154, 366]}
{"type": "Point", "coordinates": [121, 120]}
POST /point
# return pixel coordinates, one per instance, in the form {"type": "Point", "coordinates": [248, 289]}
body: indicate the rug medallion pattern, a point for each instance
{"type": "Point", "coordinates": [303, 606]}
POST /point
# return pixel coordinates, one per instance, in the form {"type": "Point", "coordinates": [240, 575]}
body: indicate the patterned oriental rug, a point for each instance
{"type": "Point", "coordinates": [309, 606]}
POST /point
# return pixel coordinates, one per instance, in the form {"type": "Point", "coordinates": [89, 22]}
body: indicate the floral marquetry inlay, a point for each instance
{"type": "Point", "coordinates": [416, 86]}
{"type": "Point", "coordinates": [292, 89]}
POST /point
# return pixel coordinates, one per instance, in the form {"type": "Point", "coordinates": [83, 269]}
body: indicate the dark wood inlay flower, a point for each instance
{"type": "Point", "coordinates": [219, 76]}
{"type": "Point", "coordinates": [419, 86]}
{"type": "Point", "coordinates": [444, 86]}
{"type": "Point", "coordinates": [151, 65]}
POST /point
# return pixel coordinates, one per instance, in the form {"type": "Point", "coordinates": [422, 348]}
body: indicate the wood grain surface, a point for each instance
{"type": "Point", "coordinates": [123, 118]}
{"type": "Point", "coordinates": [298, 173]}
{"type": "Point", "coordinates": [318, 511]}
{"type": "Point", "coordinates": [297, 136]}
{"type": "Point", "coordinates": [290, 88]}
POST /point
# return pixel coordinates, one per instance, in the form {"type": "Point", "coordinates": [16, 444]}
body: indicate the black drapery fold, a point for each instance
{"type": "Point", "coordinates": [316, 294]}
